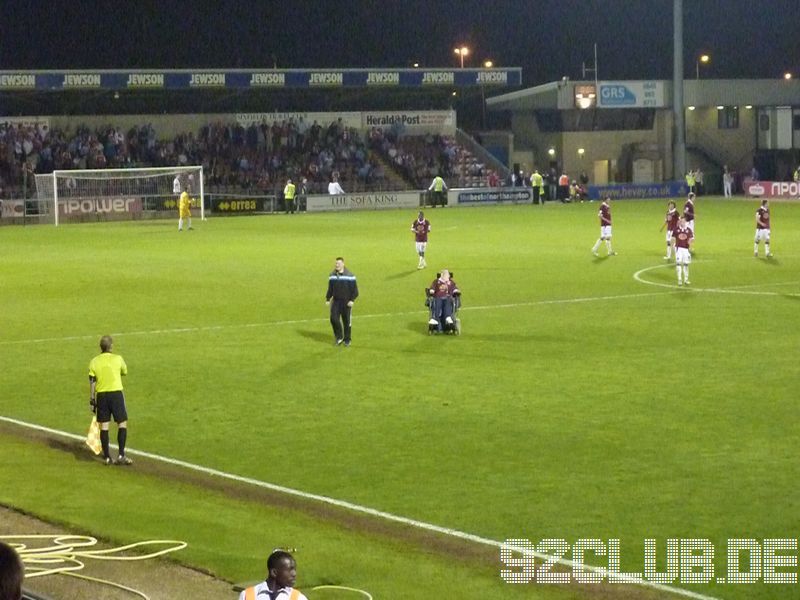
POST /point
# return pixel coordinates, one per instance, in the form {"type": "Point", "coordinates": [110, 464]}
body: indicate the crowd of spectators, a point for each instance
{"type": "Point", "coordinates": [261, 157]}
{"type": "Point", "coordinates": [256, 158]}
{"type": "Point", "coordinates": [421, 158]}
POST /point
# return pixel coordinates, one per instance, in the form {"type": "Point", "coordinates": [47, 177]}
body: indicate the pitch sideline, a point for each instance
{"type": "Point", "coordinates": [469, 537]}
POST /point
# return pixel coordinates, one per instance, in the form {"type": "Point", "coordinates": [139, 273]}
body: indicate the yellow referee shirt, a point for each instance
{"type": "Point", "coordinates": [184, 205]}
{"type": "Point", "coordinates": [108, 369]}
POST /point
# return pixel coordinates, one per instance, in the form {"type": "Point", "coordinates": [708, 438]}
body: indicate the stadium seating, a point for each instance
{"type": "Point", "coordinates": [255, 159]}
{"type": "Point", "coordinates": [420, 158]}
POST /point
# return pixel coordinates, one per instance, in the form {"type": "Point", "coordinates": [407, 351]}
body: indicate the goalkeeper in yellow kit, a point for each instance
{"type": "Point", "coordinates": [184, 211]}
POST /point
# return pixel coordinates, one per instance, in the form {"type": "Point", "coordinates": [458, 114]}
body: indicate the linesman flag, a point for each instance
{"type": "Point", "coordinates": [93, 437]}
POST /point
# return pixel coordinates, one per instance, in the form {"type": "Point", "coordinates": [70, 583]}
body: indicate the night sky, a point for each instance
{"type": "Point", "coordinates": [547, 38]}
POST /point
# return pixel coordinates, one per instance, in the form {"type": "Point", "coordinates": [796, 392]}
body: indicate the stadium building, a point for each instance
{"type": "Point", "coordinates": [623, 131]}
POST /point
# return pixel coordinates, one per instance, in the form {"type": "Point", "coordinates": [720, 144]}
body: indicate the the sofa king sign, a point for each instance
{"type": "Point", "coordinates": [377, 200]}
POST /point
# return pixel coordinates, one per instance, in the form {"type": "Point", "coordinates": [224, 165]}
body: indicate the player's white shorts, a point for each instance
{"type": "Point", "coordinates": [690, 225]}
{"type": "Point", "coordinates": [605, 232]}
{"type": "Point", "coordinates": [421, 247]}
{"type": "Point", "coordinates": [682, 256]}
{"type": "Point", "coordinates": [670, 235]}
{"type": "Point", "coordinates": [762, 235]}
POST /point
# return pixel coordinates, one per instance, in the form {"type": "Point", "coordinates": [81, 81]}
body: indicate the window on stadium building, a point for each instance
{"type": "Point", "coordinates": [617, 119]}
{"type": "Point", "coordinates": [728, 117]}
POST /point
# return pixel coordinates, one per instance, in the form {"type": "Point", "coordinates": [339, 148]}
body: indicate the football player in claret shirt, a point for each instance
{"type": "Point", "coordinates": [762, 228]}
{"type": "Point", "coordinates": [683, 237]}
{"type": "Point", "coordinates": [671, 222]}
{"type": "Point", "coordinates": [605, 227]}
{"type": "Point", "coordinates": [688, 211]}
{"type": "Point", "coordinates": [421, 227]}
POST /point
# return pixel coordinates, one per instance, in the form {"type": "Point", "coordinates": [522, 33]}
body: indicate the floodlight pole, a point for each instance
{"type": "Point", "coordinates": [679, 126]}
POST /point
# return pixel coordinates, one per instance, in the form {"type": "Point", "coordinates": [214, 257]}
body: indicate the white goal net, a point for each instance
{"type": "Point", "coordinates": [119, 194]}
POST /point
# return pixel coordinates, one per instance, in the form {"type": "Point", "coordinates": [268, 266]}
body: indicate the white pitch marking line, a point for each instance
{"type": "Point", "coordinates": [320, 319]}
{"type": "Point", "coordinates": [730, 290]}
{"type": "Point", "coordinates": [739, 287]}
{"type": "Point", "coordinates": [470, 537]}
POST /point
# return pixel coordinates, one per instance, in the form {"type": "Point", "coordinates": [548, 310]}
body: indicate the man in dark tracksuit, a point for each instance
{"type": "Point", "coordinates": [342, 292]}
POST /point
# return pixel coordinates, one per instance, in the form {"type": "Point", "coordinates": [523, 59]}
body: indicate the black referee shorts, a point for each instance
{"type": "Point", "coordinates": [111, 404]}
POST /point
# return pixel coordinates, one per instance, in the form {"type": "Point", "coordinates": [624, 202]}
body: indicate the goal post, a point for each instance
{"type": "Point", "coordinates": [119, 194]}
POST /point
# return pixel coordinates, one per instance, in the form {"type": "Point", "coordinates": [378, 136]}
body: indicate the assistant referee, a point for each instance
{"type": "Point", "coordinates": [106, 397]}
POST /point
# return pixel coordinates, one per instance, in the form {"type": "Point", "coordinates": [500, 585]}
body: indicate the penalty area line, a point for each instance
{"type": "Point", "coordinates": [372, 512]}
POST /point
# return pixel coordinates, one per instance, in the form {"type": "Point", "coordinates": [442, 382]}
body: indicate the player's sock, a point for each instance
{"type": "Point", "coordinates": [104, 442]}
{"type": "Point", "coordinates": [608, 247]}
{"type": "Point", "coordinates": [190, 222]}
{"type": "Point", "coordinates": [180, 224]}
{"type": "Point", "coordinates": [679, 271]}
{"type": "Point", "coordinates": [596, 245]}
{"type": "Point", "coordinates": [122, 437]}
{"type": "Point", "coordinates": [766, 247]}
{"type": "Point", "coordinates": [755, 249]}
{"type": "Point", "coordinates": [686, 273]}
{"type": "Point", "coordinates": [669, 250]}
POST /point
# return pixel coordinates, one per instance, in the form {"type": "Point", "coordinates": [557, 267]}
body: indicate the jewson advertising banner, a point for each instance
{"type": "Point", "coordinates": [667, 189]}
{"type": "Point", "coordinates": [244, 79]}
{"type": "Point", "coordinates": [367, 200]}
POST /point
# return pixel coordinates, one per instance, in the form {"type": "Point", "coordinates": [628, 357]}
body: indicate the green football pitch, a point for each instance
{"type": "Point", "coordinates": [586, 397]}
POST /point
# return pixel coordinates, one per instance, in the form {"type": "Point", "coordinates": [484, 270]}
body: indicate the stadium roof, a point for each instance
{"type": "Point", "coordinates": [560, 95]}
{"type": "Point", "coordinates": [244, 79]}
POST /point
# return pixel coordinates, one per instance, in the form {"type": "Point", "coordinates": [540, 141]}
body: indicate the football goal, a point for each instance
{"type": "Point", "coordinates": [118, 194]}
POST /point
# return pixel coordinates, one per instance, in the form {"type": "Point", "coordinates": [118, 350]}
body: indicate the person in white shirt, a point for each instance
{"type": "Point", "coordinates": [727, 182]}
{"type": "Point", "coordinates": [334, 188]}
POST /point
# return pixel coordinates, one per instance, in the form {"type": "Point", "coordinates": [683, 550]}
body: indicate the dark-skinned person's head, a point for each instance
{"type": "Point", "coordinates": [11, 573]}
{"type": "Point", "coordinates": [281, 569]}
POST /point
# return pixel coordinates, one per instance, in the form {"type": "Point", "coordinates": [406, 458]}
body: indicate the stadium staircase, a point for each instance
{"type": "Point", "coordinates": [482, 154]}
{"type": "Point", "coordinates": [700, 145]}
{"type": "Point", "coordinates": [393, 180]}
